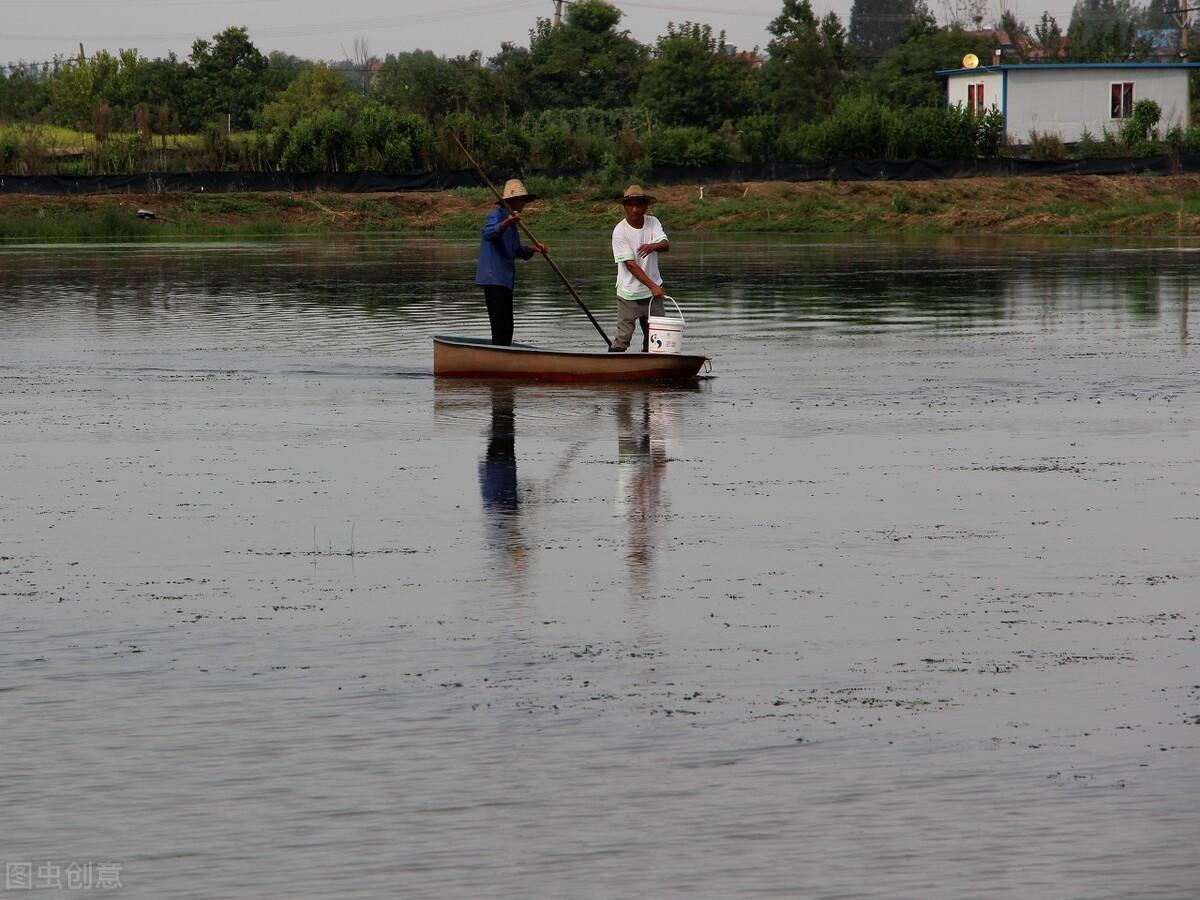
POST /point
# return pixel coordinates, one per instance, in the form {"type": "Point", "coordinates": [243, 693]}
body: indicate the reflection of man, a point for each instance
{"type": "Point", "coordinates": [498, 479]}
{"type": "Point", "coordinates": [641, 464]}
{"type": "Point", "coordinates": [498, 469]}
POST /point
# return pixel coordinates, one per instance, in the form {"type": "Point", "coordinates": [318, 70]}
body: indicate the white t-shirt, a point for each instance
{"type": "Point", "coordinates": [625, 240]}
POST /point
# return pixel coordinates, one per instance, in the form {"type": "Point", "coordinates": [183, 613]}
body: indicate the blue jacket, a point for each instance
{"type": "Point", "coordinates": [498, 249]}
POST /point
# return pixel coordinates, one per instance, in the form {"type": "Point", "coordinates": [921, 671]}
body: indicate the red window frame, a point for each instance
{"type": "Point", "coordinates": [1120, 99]}
{"type": "Point", "coordinates": [975, 97]}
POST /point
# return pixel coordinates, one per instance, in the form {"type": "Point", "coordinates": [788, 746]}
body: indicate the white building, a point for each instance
{"type": "Point", "coordinates": [1067, 99]}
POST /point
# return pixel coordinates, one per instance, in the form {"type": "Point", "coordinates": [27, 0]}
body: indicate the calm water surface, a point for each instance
{"type": "Point", "coordinates": [902, 602]}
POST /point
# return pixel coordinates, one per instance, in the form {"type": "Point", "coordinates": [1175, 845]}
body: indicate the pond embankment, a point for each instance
{"type": "Point", "coordinates": [1113, 205]}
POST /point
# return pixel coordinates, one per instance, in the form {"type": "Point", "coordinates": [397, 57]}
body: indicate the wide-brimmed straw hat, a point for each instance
{"type": "Point", "coordinates": [635, 192]}
{"type": "Point", "coordinates": [514, 189]}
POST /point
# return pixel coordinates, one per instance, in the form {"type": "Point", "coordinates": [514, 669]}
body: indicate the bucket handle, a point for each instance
{"type": "Point", "coordinates": [677, 309]}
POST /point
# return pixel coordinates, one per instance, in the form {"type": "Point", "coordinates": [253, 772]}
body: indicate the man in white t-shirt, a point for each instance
{"type": "Point", "coordinates": [637, 240]}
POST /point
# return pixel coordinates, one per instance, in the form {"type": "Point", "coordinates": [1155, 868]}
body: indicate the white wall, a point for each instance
{"type": "Point", "coordinates": [1066, 101]}
{"type": "Point", "coordinates": [993, 84]}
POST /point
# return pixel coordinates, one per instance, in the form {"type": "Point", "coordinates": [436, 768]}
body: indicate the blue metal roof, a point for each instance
{"type": "Point", "coordinates": [1029, 67]}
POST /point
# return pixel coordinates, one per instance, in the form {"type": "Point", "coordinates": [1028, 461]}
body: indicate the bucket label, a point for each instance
{"type": "Point", "coordinates": [665, 340]}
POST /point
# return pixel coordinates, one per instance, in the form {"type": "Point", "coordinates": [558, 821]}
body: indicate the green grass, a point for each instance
{"type": "Point", "coordinates": [818, 210]}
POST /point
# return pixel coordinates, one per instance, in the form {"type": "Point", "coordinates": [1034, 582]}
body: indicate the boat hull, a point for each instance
{"type": "Point", "coordinates": [458, 357]}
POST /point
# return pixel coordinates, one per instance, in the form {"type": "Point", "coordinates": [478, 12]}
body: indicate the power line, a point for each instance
{"type": "Point", "coordinates": [299, 30]}
{"type": "Point", "coordinates": [723, 11]}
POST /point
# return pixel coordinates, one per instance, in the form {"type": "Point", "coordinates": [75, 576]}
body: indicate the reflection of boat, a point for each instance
{"type": "Point", "coordinates": [478, 358]}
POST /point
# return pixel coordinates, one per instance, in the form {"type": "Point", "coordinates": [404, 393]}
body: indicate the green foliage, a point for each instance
{"type": "Point", "coordinates": [757, 135]}
{"type": "Point", "coordinates": [227, 79]}
{"type": "Point", "coordinates": [906, 77]}
{"type": "Point", "coordinates": [317, 87]}
{"type": "Point", "coordinates": [583, 95]}
{"type": "Point", "coordinates": [1087, 147]}
{"type": "Point", "coordinates": [511, 150]}
{"type": "Point", "coordinates": [989, 133]}
{"type": "Point", "coordinates": [1049, 36]}
{"type": "Point", "coordinates": [550, 145]}
{"type": "Point", "coordinates": [1106, 31]}
{"type": "Point", "coordinates": [1142, 127]}
{"type": "Point", "coordinates": [684, 146]}
{"type": "Point", "coordinates": [1046, 145]}
{"type": "Point", "coordinates": [858, 125]}
{"type": "Point", "coordinates": [862, 128]}
{"type": "Point", "coordinates": [593, 16]}
{"type": "Point", "coordinates": [390, 142]}
{"type": "Point", "coordinates": [423, 83]}
{"type": "Point", "coordinates": [24, 94]}
{"type": "Point", "coordinates": [610, 178]}
{"type": "Point", "coordinates": [80, 85]}
{"type": "Point", "coordinates": [694, 80]}
{"type": "Point", "coordinates": [1184, 140]}
{"type": "Point", "coordinates": [807, 61]}
{"type": "Point", "coordinates": [583, 62]}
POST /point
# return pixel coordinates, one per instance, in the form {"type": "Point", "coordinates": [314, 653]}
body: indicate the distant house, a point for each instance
{"type": "Point", "coordinates": [1067, 99]}
{"type": "Point", "coordinates": [1161, 43]}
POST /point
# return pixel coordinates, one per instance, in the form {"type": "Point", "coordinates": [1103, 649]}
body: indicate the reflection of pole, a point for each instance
{"type": "Point", "coordinates": [1183, 313]}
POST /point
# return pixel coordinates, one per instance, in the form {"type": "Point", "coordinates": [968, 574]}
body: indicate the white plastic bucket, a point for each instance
{"type": "Point", "coordinates": [666, 332]}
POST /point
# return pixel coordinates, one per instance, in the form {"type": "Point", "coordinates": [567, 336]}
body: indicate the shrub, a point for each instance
{"type": "Point", "coordinates": [611, 177]}
{"type": "Point", "coordinates": [512, 149]}
{"type": "Point", "coordinates": [550, 145]}
{"type": "Point", "coordinates": [805, 143]}
{"type": "Point", "coordinates": [1087, 147]}
{"type": "Point", "coordinates": [1047, 145]}
{"type": "Point", "coordinates": [1174, 139]}
{"type": "Point", "coordinates": [757, 136]}
{"type": "Point", "coordinates": [857, 129]}
{"type": "Point", "coordinates": [643, 170]}
{"type": "Point", "coordinates": [10, 153]}
{"type": "Point", "coordinates": [1142, 126]}
{"type": "Point", "coordinates": [989, 132]}
{"type": "Point", "coordinates": [687, 146]}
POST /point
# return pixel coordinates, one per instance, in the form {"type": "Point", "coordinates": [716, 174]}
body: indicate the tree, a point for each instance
{"type": "Point", "coordinates": [583, 62]}
{"type": "Point", "coordinates": [282, 68]}
{"type": "Point", "coordinates": [876, 25]}
{"type": "Point", "coordinates": [79, 86]}
{"type": "Point", "coordinates": [316, 88]}
{"type": "Point", "coordinates": [228, 78]}
{"type": "Point", "coordinates": [906, 77]}
{"type": "Point", "coordinates": [1105, 31]}
{"type": "Point", "coordinates": [423, 83]}
{"type": "Point", "coordinates": [806, 62]}
{"type": "Point", "coordinates": [695, 79]}
{"type": "Point", "coordinates": [1050, 36]}
{"type": "Point", "coordinates": [24, 94]}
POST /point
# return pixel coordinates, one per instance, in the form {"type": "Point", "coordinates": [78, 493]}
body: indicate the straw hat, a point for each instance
{"type": "Point", "coordinates": [514, 189]}
{"type": "Point", "coordinates": [635, 192]}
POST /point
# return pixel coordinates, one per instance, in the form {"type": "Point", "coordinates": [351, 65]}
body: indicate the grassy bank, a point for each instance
{"type": "Point", "coordinates": [1132, 205]}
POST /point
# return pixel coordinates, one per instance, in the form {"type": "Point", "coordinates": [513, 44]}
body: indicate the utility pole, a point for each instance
{"type": "Point", "coordinates": [558, 5]}
{"type": "Point", "coordinates": [82, 57]}
{"type": "Point", "coordinates": [1183, 18]}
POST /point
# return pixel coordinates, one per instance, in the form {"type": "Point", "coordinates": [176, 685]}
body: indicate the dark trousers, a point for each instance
{"type": "Point", "coordinates": [499, 301]}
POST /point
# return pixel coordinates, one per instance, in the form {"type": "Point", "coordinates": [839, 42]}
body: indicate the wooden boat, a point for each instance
{"type": "Point", "coordinates": [463, 357]}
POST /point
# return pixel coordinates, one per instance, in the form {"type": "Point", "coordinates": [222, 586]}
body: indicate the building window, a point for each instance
{"type": "Point", "coordinates": [975, 97]}
{"type": "Point", "coordinates": [1122, 99]}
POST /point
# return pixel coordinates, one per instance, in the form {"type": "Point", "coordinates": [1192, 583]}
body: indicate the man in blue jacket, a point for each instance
{"type": "Point", "coordinates": [499, 247]}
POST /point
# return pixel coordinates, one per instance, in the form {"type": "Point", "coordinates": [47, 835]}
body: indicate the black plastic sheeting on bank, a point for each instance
{"type": "Point", "coordinates": [379, 182]}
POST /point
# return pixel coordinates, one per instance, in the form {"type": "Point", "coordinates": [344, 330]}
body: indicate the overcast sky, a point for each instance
{"type": "Point", "coordinates": [318, 29]}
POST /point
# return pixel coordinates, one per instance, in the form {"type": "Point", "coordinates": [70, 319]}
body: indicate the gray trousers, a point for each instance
{"type": "Point", "coordinates": [629, 313]}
